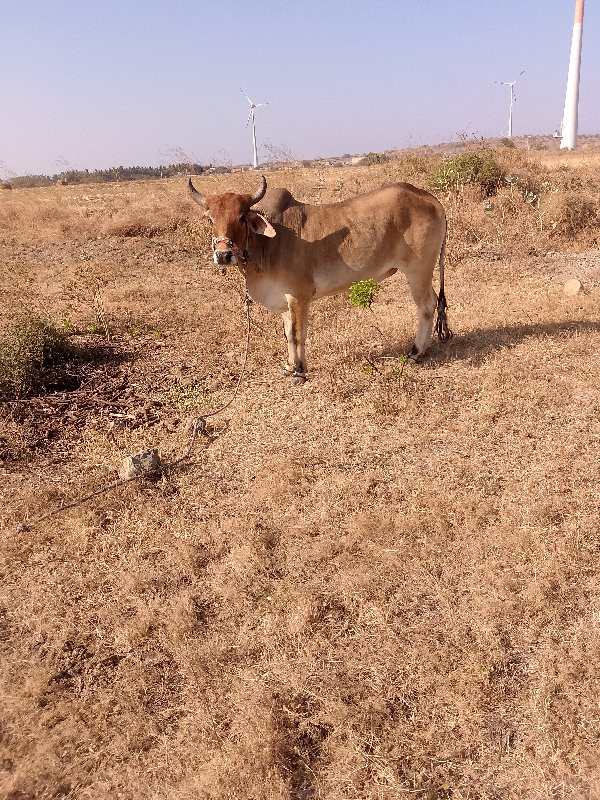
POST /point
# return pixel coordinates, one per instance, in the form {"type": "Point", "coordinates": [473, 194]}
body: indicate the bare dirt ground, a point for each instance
{"type": "Point", "coordinates": [381, 584]}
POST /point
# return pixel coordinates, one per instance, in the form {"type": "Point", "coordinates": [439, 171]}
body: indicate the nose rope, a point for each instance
{"type": "Point", "coordinates": [232, 246]}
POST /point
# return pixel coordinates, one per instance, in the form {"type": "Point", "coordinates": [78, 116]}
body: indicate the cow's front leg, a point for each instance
{"type": "Point", "coordinates": [295, 323]}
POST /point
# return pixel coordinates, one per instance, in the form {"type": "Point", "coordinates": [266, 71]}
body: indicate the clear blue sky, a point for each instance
{"type": "Point", "coordinates": [123, 82]}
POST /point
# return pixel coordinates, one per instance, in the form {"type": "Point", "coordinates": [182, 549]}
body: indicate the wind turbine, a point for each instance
{"type": "Point", "coordinates": [569, 122]}
{"type": "Point", "coordinates": [512, 98]}
{"type": "Point", "coordinates": [251, 117]}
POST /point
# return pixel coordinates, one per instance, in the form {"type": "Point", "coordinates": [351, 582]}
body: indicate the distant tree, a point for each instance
{"type": "Point", "coordinates": [186, 162]}
{"type": "Point", "coordinates": [30, 181]}
{"type": "Point", "coordinates": [374, 158]}
{"type": "Point", "coordinates": [6, 172]}
{"type": "Point", "coordinates": [65, 165]}
{"type": "Point", "coordinates": [278, 152]}
{"type": "Point", "coordinates": [221, 159]}
{"type": "Point", "coordinates": [110, 175]}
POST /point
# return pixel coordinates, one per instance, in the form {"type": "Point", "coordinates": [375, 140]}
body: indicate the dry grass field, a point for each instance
{"type": "Point", "coordinates": [382, 584]}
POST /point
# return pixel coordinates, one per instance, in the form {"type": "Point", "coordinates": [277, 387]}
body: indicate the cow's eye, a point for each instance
{"type": "Point", "coordinates": [242, 218]}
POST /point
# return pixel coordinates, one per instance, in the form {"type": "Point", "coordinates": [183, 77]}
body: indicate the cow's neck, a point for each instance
{"type": "Point", "coordinates": [256, 247]}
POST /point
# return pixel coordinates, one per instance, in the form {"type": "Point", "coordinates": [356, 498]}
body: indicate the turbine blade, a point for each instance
{"type": "Point", "coordinates": [249, 117]}
{"type": "Point", "coordinates": [246, 96]}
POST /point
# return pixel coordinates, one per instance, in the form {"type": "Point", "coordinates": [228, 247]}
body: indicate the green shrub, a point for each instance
{"type": "Point", "coordinates": [26, 349]}
{"type": "Point", "coordinates": [478, 169]}
{"type": "Point", "coordinates": [374, 158]}
{"type": "Point", "coordinates": [362, 293]}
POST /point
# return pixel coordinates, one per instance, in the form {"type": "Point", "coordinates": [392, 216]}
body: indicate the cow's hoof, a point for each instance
{"type": "Point", "coordinates": [414, 355]}
{"type": "Point", "coordinates": [287, 371]}
{"type": "Point", "coordinates": [298, 380]}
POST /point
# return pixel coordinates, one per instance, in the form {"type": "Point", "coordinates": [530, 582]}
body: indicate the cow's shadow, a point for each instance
{"type": "Point", "coordinates": [477, 344]}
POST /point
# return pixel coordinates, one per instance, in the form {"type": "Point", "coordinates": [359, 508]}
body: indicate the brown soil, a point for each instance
{"type": "Point", "coordinates": [383, 583]}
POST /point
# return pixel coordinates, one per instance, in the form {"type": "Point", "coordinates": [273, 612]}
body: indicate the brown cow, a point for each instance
{"type": "Point", "coordinates": [293, 253]}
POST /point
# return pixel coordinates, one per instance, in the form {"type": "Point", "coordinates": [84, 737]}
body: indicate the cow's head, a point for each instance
{"type": "Point", "coordinates": [233, 221]}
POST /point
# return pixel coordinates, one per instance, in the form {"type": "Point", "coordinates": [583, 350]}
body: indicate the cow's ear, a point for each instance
{"type": "Point", "coordinates": [258, 224]}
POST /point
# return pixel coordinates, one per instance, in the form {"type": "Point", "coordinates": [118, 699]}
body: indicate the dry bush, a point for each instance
{"type": "Point", "coordinates": [28, 347]}
{"type": "Point", "coordinates": [155, 216]}
{"type": "Point", "coordinates": [91, 211]}
{"type": "Point", "coordinates": [533, 207]}
{"type": "Point", "coordinates": [42, 215]}
{"type": "Point", "coordinates": [577, 216]}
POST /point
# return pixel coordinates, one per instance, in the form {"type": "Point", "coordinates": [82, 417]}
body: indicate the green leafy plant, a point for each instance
{"type": "Point", "coordinates": [138, 329]}
{"type": "Point", "coordinates": [362, 293]}
{"type": "Point", "coordinates": [95, 325]}
{"type": "Point", "coordinates": [398, 369]}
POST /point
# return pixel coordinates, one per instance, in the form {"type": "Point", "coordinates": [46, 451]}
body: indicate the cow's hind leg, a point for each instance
{"type": "Point", "coordinates": [295, 323]}
{"type": "Point", "coordinates": [426, 301]}
{"type": "Point", "coordinates": [288, 368]}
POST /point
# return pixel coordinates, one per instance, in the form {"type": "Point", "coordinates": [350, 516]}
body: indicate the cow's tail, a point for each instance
{"type": "Point", "coordinates": [441, 323]}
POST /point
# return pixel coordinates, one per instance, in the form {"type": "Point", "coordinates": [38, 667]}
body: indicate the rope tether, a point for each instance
{"type": "Point", "coordinates": [198, 427]}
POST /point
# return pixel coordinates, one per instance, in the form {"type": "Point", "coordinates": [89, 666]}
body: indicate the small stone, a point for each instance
{"type": "Point", "coordinates": [147, 462]}
{"type": "Point", "coordinates": [572, 287]}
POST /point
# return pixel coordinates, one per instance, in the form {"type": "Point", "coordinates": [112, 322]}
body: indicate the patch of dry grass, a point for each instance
{"type": "Point", "coordinates": [375, 585]}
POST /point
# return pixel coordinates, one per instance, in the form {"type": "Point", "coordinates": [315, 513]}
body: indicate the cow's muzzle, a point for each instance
{"type": "Point", "coordinates": [232, 255]}
{"type": "Point", "coordinates": [223, 256]}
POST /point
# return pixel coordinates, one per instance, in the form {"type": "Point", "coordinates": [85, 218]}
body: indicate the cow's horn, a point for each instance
{"type": "Point", "coordinates": [260, 194]}
{"type": "Point", "coordinates": [194, 194]}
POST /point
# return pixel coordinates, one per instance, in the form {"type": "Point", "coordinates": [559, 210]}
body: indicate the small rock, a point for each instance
{"type": "Point", "coordinates": [172, 424]}
{"type": "Point", "coordinates": [147, 462]}
{"type": "Point", "coordinates": [572, 287]}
